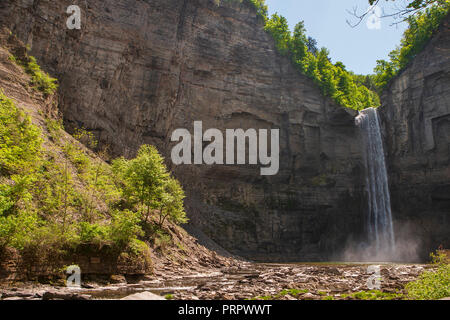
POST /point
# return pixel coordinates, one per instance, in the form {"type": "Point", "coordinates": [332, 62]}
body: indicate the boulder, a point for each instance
{"type": "Point", "coordinates": [117, 279]}
{"type": "Point", "coordinates": [146, 295]}
{"type": "Point", "coordinates": [64, 295]}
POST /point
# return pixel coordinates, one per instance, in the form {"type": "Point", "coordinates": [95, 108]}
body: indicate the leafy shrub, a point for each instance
{"type": "Point", "coordinates": [16, 230]}
{"type": "Point", "coordinates": [16, 193]}
{"type": "Point", "coordinates": [54, 190]}
{"type": "Point", "coordinates": [26, 231]}
{"type": "Point", "coordinates": [432, 285]}
{"type": "Point", "coordinates": [6, 200]}
{"type": "Point", "coordinates": [292, 292]}
{"type": "Point", "coordinates": [77, 156]}
{"type": "Point", "coordinates": [279, 28]}
{"type": "Point", "coordinates": [8, 227]}
{"type": "Point", "coordinates": [85, 137]}
{"type": "Point", "coordinates": [93, 233]}
{"type": "Point", "coordinates": [40, 80]}
{"type": "Point", "coordinates": [54, 127]}
{"type": "Point", "coordinates": [137, 247]}
{"type": "Point", "coordinates": [52, 236]}
{"type": "Point", "coordinates": [125, 227]}
{"type": "Point", "coordinates": [20, 142]}
{"type": "Point", "coordinates": [375, 295]}
{"type": "Point", "coordinates": [171, 203]}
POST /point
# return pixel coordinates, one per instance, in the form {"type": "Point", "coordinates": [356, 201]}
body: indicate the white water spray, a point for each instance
{"type": "Point", "coordinates": [380, 228]}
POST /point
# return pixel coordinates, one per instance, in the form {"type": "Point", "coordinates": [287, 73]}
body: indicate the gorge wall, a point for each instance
{"type": "Point", "coordinates": [415, 113]}
{"type": "Point", "coordinates": [139, 69]}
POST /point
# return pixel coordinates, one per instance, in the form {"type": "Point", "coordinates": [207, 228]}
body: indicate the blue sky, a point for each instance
{"type": "Point", "coordinates": [325, 20]}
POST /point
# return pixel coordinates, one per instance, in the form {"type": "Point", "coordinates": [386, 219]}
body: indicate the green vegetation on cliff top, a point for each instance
{"type": "Point", "coordinates": [344, 87]}
{"type": "Point", "coordinates": [421, 28]}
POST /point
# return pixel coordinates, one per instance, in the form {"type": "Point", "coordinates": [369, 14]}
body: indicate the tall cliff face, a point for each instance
{"type": "Point", "coordinates": [416, 117]}
{"type": "Point", "coordinates": [137, 70]}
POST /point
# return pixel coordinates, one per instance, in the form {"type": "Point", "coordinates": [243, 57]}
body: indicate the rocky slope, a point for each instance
{"type": "Point", "coordinates": [137, 70]}
{"type": "Point", "coordinates": [415, 113]}
{"type": "Point", "coordinates": [253, 281]}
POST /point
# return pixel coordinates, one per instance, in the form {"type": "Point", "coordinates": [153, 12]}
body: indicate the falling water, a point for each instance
{"type": "Point", "coordinates": [379, 217]}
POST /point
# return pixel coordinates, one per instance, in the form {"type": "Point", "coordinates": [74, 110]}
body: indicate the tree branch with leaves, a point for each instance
{"type": "Point", "coordinates": [402, 13]}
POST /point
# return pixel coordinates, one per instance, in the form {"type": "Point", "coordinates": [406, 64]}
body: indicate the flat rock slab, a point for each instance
{"type": "Point", "coordinates": [64, 295]}
{"type": "Point", "coordinates": [143, 296]}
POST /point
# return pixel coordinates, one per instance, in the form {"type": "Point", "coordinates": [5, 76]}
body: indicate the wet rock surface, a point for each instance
{"type": "Point", "coordinates": [238, 282]}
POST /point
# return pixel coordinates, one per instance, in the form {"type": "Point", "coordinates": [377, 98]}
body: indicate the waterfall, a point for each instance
{"type": "Point", "coordinates": [380, 229]}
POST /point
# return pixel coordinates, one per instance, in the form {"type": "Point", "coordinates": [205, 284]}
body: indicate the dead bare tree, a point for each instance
{"type": "Point", "coordinates": [400, 12]}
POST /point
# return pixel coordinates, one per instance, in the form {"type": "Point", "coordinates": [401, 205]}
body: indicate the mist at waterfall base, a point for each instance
{"type": "Point", "coordinates": [383, 242]}
{"type": "Point", "coordinates": [406, 249]}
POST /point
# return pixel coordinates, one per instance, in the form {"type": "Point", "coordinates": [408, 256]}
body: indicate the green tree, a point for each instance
{"type": "Point", "coordinates": [40, 80]}
{"type": "Point", "coordinates": [310, 66]}
{"type": "Point", "coordinates": [299, 45]}
{"type": "Point", "coordinates": [384, 72]}
{"type": "Point", "coordinates": [412, 7]}
{"type": "Point", "coordinates": [125, 227]}
{"type": "Point", "coordinates": [414, 4]}
{"type": "Point", "coordinates": [143, 178]}
{"type": "Point", "coordinates": [312, 45]}
{"type": "Point", "coordinates": [327, 73]}
{"type": "Point", "coordinates": [345, 81]}
{"type": "Point", "coordinates": [171, 203]}
{"type": "Point", "coordinates": [278, 27]}
{"type": "Point", "coordinates": [261, 8]}
{"type": "Point", "coordinates": [421, 28]}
